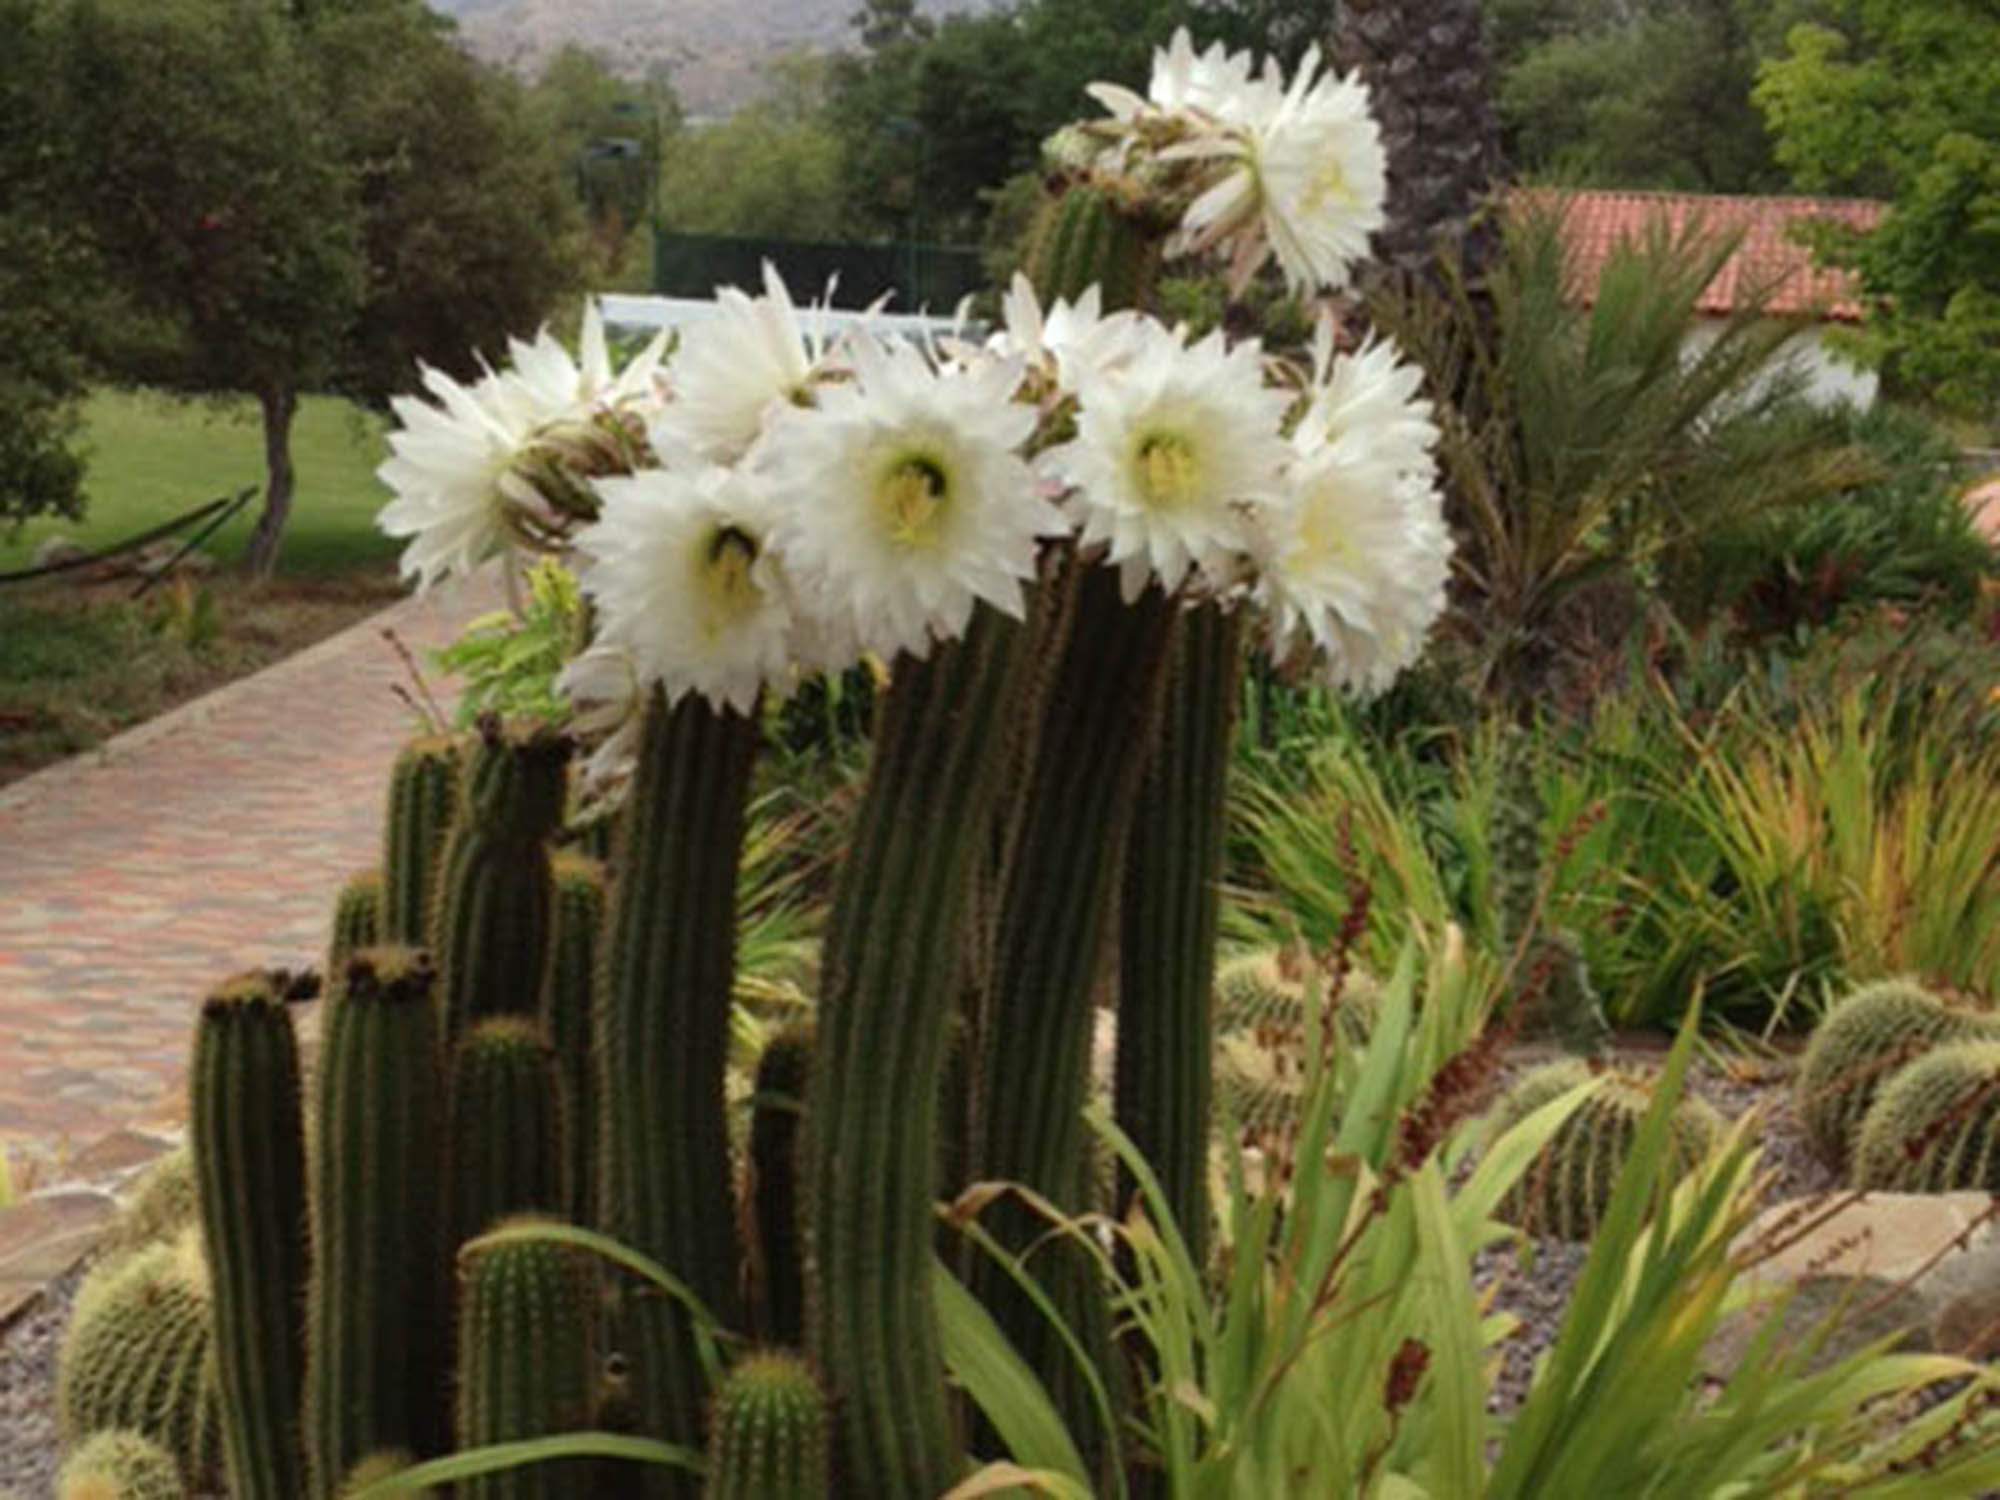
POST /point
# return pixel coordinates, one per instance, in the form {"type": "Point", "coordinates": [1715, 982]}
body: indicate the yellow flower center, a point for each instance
{"type": "Point", "coordinates": [912, 497]}
{"type": "Point", "coordinates": [1322, 538]}
{"type": "Point", "coordinates": [1169, 472]}
{"type": "Point", "coordinates": [729, 592]}
{"type": "Point", "coordinates": [1328, 182]}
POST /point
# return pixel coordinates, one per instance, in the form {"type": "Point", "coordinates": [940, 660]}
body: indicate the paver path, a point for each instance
{"type": "Point", "coordinates": [205, 842]}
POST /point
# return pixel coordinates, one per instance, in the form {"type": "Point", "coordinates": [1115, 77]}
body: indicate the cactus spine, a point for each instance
{"type": "Point", "coordinates": [357, 918]}
{"type": "Point", "coordinates": [508, 1150]}
{"type": "Point", "coordinates": [895, 948]}
{"type": "Point", "coordinates": [772, 1197]}
{"type": "Point", "coordinates": [496, 897]}
{"type": "Point", "coordinates": [375, 1309]}
{"type": "Point", "coordinates": [663, 1037]}
{"type": "Point", "coordinates": [245, 1118]}
{"type": "Point", "coordinates": [119, 1465]}
{"type": "Point", "coordinates": [527, 1362]}
{"type": "Point", "coordinates": [1935, 1127]}
{"type": "Point", "coordinates": [768, 1437]}
{"type": "Point", "coordinates": [568, 1009]}
{"type": "Point", "coordinates": [1567, 1187]}
{"type": "Point", "coordinates": [1861, 1044]}
{"type": "Point", "coordinates": [1168, 915]}
{"type": "Point", "coordinates": [136, 1356]}
{"type": "Point", "coordinates": [423, 801]}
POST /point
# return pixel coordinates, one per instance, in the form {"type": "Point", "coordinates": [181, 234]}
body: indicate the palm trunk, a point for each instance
{"type": "Point", "coordinates": [280, 404]}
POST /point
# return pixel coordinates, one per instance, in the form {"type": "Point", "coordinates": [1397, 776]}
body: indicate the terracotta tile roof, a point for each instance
{"type": "Point", "coordinates": [1596, 221]}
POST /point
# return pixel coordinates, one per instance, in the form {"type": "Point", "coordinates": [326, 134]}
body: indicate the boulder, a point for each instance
{"type": "Point", "coordinates": [1924, 1267]}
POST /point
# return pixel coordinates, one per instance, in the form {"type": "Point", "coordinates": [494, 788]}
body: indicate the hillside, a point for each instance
{"type": "Point", "coordinates": [712, 50]}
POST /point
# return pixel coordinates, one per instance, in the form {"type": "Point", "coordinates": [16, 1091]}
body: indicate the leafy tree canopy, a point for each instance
{"type": "Point", "coordinates": [1901, 99]}
{"type": "Point", "coordinates": [47, 281]}
{"type": "Point", "coordinates": [1647, 94]}
{"type": "Point", "coordinates": [772, 169]}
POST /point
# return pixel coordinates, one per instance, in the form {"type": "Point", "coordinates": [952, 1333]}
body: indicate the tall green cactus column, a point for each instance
{"type": "Point", "coordinates": [1098, 721]}
{"type": "Point", "coordinates": [496, 897]}
{"type": "Point", "coordinates": [895, 950]}
{"type": "Point", "coordinates": [662, 1046]}
{"type": "Point", "coordinates": [248, 1131]}
{"type": "Point", "coordinates": [1168, 916]}
{"type": "Point", "coordinates": [423, 803]}
{"type": "Point", "coordinates": [376, 1311]}
{"type": "Point", "coordinates": [569, 1006]}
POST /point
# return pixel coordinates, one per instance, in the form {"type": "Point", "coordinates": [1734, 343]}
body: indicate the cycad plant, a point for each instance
{"type": "Point", "coordinates": [1595, 441]}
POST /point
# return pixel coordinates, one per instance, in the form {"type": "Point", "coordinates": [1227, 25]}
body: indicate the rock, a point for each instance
{"type": "Point", "coordinates": [56, 550]}
{"type": "Point", "coordinates": [1922, 1266]}
{"type": "Point", "coordinates": [158, 557]}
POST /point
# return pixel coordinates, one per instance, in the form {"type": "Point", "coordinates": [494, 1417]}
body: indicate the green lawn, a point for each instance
{"type": "Point", "coordinates": [154, 456]}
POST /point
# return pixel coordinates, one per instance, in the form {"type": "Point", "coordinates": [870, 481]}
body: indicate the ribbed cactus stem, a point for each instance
{"type": "Point", "coordinates": [1168, 917]}
{"type": "Point", "coordinates": [1093, 235]}
{"type": "Point", "coordinates": [767, 1440]}
{"type": "Point", "coordinates": [772, 1198]}
{"type": "Point", "coordinates": [1098, 722]}
{"type": "Point", "coordinates": [663, 1021]}
{"type": "Point", "coordinates": [568, 1014]}
{"type": "Point", "coordinates": [245, 1116]}
{"type": "Point", "coordinates": [1935, 1127]}
{"type": "Point", "coordinates": [423, 802]}
{"type": "Point", "coordinates": [508, 1150]}
{"type": "Point", "coordinates": [376, 1324]}
{"type": "Point", "coordinates": [357, 918]}
{"type": "Point", "coordinates": [495, 911]}
{"type": "Point", "coordinates": [895, 949]}
{"type": "Point", "coordinates": [527, 1360]}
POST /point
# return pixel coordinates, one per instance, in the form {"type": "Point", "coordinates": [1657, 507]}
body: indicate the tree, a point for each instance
{"type": "Point", "coordinates": [468, 231]}
{"type": "Point", "coordinates": [608, 130]}
{"type": "Point", "coordinates": [46, 282]}
{"type": "Point", "coordinates": [1654, 96]}
{"type": "Point", "coordinates": [1901, 98]}
{"type": "Point", "coordinates": [210, 180]}
{"type": "Point", "coordinates": [772, 169]}
{"type": "Point", "coordinates": [292, 205]}
{"type": "Point", "coordinates": [1426, 71]}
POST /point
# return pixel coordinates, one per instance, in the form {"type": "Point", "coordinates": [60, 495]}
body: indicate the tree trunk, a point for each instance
{"type": "Point", "coordinates": [279, 406]}
{"type": "Point", "coordinates": [1429, 78]}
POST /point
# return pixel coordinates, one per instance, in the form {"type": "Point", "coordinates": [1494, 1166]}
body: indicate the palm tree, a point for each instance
{"type": "Point", "coordinates": [1427, 68]}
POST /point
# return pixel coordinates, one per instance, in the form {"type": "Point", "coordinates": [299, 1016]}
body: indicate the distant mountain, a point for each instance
{"type": "Point", "coordinates": [713, 50]}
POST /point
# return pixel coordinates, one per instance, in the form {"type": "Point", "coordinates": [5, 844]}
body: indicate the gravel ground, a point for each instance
{"type": "Point", "coordinates": [1535, 1288]}
{"type": "Point", "coordinates": [28, 1455]}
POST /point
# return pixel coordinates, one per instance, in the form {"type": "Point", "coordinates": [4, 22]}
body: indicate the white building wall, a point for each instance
{"type": "Point", "coordinates": [1829, 378]}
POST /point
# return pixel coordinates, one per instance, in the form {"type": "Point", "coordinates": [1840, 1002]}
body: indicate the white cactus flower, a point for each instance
{"type": "Point", "coordinates": [913, 503]}
{"type": "Point", "coordinates": [752, 358]}
{"type": "Point", "coordinates": [1171, 446]}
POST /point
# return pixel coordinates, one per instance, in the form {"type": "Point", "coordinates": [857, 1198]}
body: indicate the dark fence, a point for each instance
{"type": "Point", "coordinates": [923, 277]}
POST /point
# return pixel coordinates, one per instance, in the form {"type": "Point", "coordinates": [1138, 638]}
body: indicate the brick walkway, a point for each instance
{"type": "Point", "coordinates": [207, 841]}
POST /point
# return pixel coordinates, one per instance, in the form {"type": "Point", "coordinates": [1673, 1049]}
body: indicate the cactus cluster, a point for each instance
{"type": "Point", "coordinates": [1935, 1126]}
{"type": "Point", "coordinates": [1865, 1041]}
{"type": "Point", "coordinates": [1566, 1188]}
{"type": "Point", "coordinates": [118, 1464]}
{"type": "Point", "coordinates": [510, 1030]}
{"type": "Point", "coordinates": [137, 1357]}
{"type": "Point", "coordinates": [767, 1432]}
